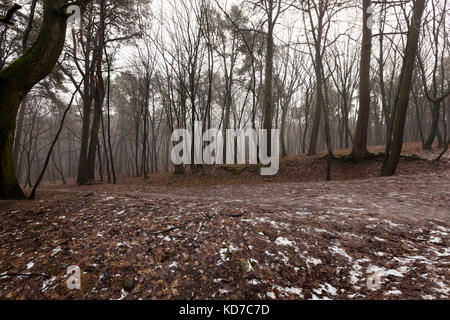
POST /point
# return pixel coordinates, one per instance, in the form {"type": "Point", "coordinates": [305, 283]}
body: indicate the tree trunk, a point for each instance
{"type": "Point", "coordinates": [18, 136]}
{"type": "Point", "coordinates": [435, 115]}
{"type": "Point", "coordinates": [360, 144]}
{"type": "Point", "coordinates": [88, 174]}
{"type": "Point", "coordinates": [18, 79]}
{"type": "Point", "coordinates": [318, 107]}
{"type": "Point", "coordinates": [283, 132]}
{"type": "Point", "coordinates": [404, 89]}
{"type": "Point", "coordinates": [268, 92]}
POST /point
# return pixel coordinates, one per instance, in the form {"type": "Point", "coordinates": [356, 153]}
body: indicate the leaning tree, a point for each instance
{"type": "Point", "coordinates": [20, 76]}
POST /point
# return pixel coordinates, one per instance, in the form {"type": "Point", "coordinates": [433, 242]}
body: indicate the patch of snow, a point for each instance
{"type": "Point", "coordinates": [392, 224]}
{"type": "Point", "coordinates": [283, 256]}
{"type": "Point", "coordinates": [446, 252]}
{"type": "Point", "coordinates": [326, 288]}
{"type": "Point", "coordinates": [393, 293]}
{"type": "Point", "coordinates": [435, 239]}
{"type": "Point", "coordinates": [56, 250]}
{"type": "Point", "coordinates": [271, 295]}
{"type": "Point", "coordinates": [382, 272]}
{"type": "Point", "coordinates": [269, 254]}
{"type": "Point", "coordinates": [356, 273]}
{"type": "Point", "coordinates": [47, 283]}
{"type": "Point", "coordinates": [341, 252]}
{"type": "Point", "coordinates": [290, 290]}
{"type": "Point", "coordinates": [443, 288]}
{"type": "Point", "coordinates": [303, 213]}
{"type": "Point", "coordinates": [280, 241]}
{"type": "Point", "coordinates": [225, 253]}
{"type": "Point", "coordinates": [313, 261]}
{"type": "Point", "coordinates": [123, 295]}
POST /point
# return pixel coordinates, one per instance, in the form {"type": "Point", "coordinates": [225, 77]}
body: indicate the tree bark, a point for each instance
{"type": "Point", "coordinates": [360, 144]}
{"type": "Point", "coordinates": [404, 89]}
{"type": "Point", "coordinates": [268, 91]}
{"type": "Point", "coordinates": [18, 79]}
{"type": "Point", "coordinates": [435, 115]}
{"type": "Point", "coordinates": [318, 107]}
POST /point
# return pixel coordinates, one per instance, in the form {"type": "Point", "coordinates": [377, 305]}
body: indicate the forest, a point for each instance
{"type": "Point", "coordinates": [355, 94]}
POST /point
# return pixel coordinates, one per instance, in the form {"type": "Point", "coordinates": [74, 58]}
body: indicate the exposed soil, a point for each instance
{"type": "Point", "coordinates": [237, 236]}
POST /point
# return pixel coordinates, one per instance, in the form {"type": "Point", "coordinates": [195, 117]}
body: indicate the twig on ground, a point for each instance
{"type": "Point", "coordinates": [167, 230]}
{"type": "Point", "coordinates": [31, 275]}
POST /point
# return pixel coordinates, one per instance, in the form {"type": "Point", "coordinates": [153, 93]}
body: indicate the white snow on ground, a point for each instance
{"type": "Point", "coordinates": [271, 295]}
{"type": "Point", "coordinates": [123, 295]}
{"type": "Point", "coordinates": [393, 293]}
{"type": "Point", "coordinates": [47, 284]}
{"type": "Point", "coordinates": [225, 253]}
{"type": "Point", "coordinates": [314, 261]}
{"type": "Point", "coordinates": [326, 288]}
{"type": "Point", "coordinates": [392, 224]}
{"type": "Point", "coordinates": [283, 242]}
{"type": "Point", "coordinates": [56, 250]}
{"type": "Point", "coordinates": [356, 273]}
{"type": "Point", "coordinates": [340, 251]}
{"type": "Point", "coordinates": [383, 272]}
{"type": "Point", "coordinates": [434, 239]}
{"type": "Point", "coordinates": [289, 291]}
{"type": "Point", "coordinates": [442, 288]}
{"type": "Point", "coordinates": [446, 252]}
{"type": "Point", "coordinates": [283, 257]}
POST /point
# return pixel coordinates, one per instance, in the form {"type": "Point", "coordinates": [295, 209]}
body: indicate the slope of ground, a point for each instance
{"type": "Point", "coordinates": [382, 238]}
{"type": "Point", "coordinates": [299, 168]}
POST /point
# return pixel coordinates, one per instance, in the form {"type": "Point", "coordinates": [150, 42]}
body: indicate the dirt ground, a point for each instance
{"type": "Point", "coordinates": [231, 234]}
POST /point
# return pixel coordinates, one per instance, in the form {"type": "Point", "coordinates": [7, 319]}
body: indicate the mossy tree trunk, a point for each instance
{"type": "Point", "coordinates": [19, 78]}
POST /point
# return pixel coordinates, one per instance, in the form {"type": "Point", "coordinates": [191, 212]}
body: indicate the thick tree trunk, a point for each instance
{"type": "Point", "coordinates": [18, 79]}
{"type": "Point", "coordinates": [360, 144]}
{"type": "Point", "coordinates": [404, 89]}
{"type": "Point", "coordinates": [19, 129]}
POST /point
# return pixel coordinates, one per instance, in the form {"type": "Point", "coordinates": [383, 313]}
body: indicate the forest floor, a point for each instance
{"type": "Point", "coordinates": [238, 235]}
